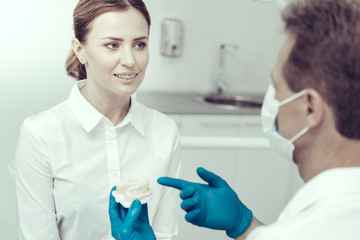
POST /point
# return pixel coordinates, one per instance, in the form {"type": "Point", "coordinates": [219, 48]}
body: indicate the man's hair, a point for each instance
{"type": "Point", "coordinates": [326, 56]}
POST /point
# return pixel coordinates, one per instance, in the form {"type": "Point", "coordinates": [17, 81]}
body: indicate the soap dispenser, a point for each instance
{"type": "Point", "coordinates": [221, 85]}
{"type": "Point", "coordinates": [171, 37]}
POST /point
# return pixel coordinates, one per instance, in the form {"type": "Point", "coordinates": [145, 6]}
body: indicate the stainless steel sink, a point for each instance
{"type": "Point", "coordinates": [232, 101]}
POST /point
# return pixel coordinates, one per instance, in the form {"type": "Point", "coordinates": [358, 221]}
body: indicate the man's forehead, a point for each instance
{"type": "Point", "coordinates": [286, 48]}
{"type": "Point", "coordinates": [283, 55]}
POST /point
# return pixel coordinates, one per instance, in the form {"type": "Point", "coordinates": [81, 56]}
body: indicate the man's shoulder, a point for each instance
{"type": "Point", "coordinates": [332, 217]}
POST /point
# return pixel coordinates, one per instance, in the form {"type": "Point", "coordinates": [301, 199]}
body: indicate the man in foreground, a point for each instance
{"type": "Point", "coordinates": [311, 115]}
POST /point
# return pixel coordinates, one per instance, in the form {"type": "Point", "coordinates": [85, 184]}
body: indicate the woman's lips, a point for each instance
{"type": "Point", "coordinates": [126, 76]}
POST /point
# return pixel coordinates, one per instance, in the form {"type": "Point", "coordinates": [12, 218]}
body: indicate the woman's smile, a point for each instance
{"type": "Point", "coordinates": [126, 78]}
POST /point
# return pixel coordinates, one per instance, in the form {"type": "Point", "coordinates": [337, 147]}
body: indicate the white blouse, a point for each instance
{"type": "Point", "coordinates": [69, 157]}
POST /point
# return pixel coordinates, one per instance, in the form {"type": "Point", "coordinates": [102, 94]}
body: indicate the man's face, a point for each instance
{"type": "Point", "coordinates": [290, 119]}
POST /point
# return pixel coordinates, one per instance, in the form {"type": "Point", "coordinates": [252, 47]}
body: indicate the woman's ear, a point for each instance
{"type": "Point", "coordinates": [315, 108]}
{"type": "Point", "coordinates": [78, 50]}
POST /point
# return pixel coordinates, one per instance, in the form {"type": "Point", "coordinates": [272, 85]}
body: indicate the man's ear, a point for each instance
{"type": "Point", "coordinates": [78, 50]}
{"type": "Point", "coordinates": [315, 108]}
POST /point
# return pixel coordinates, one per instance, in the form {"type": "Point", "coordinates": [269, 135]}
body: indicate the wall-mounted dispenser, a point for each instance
{"type": "Point", "coordinates": [280, 3]}
{"type": "Point", "coordinates": [221, 85]}
{"type": "Point", "coordinates": [171, 37]}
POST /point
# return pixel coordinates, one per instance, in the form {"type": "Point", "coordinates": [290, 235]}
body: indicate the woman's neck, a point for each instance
{"type": "Point", "coordinates": [112, 106]}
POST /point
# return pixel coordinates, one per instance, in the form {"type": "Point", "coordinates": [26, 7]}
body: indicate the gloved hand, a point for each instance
{"type": "Point", "coordinates": [130, 223]}
{"type": "Point", "coordinates": [214, 205]}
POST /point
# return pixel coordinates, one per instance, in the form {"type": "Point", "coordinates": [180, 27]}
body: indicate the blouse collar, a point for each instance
{"type": "Point", "coordinates": [89, 117]}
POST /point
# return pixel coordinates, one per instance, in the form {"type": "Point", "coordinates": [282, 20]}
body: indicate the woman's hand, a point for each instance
{"type": "Point", "coordinates": [130, 224]}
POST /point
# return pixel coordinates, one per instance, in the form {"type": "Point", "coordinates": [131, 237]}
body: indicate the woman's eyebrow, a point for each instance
{"type": "Point", "coordinates": [121, 39]}
{"type": "Point", "coordinates": [141, 38]}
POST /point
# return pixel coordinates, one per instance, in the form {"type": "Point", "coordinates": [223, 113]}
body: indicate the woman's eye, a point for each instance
{"type": "Point", "coordinates": [140, 46]}
{"type": "Point", "coordinates": [112, 45]}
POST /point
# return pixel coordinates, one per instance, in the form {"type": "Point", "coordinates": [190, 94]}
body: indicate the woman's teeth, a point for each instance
{"type": "Point", "coordinates": [126, 76]}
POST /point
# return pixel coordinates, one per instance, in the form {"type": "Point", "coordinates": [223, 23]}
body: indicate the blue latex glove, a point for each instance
{"type": "Point", "coordinates": [214, 205]}
{"type": "Point", "coordinates": [130, 223]}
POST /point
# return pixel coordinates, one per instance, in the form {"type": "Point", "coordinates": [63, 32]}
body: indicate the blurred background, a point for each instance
{"type": "Point", "coordinates": [196, 48]}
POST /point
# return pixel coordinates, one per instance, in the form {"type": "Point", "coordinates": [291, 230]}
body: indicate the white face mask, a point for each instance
{"type": "Point", "coordinates": [269, 112]}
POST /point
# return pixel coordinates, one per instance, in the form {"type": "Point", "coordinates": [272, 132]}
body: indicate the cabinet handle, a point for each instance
{"type": "Point", "coordinates": [224, 142]}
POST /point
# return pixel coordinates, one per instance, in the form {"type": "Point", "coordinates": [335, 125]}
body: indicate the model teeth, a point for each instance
{"type": "Point", "coordinates": [126, 76]}
{"type": "Point", "coordinates": [132, 189]}
{"type": "Point", "coordinates": [125, 184]}
{"type": "Point", "coordinates": [140, 192]}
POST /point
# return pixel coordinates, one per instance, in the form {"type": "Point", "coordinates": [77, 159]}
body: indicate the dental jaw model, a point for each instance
{"type": "Point", "coordinates": [130, 189]}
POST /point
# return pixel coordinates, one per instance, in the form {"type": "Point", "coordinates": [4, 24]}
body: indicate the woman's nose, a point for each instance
{"type": "Point", "coordinates": [127, 58]}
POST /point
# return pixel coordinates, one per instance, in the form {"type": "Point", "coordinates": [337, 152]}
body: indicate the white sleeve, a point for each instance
{"type": "Point", "coordinates": [166, 218]}
{"type": "Point", "coordinates": [264, 233]}
{"type": "Point", "coordinates": [34, 186]}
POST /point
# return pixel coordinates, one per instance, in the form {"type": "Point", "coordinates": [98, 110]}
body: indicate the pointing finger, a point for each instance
{"type": "Point", "coordinates": [173, 182]}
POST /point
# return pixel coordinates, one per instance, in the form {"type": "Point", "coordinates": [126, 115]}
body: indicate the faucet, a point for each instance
{"type": "Point", "coordinates": [221, 85]}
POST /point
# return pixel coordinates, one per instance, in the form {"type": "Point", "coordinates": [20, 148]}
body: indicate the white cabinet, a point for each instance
{"type": "Point", "coordinates": [263, 180]}
{"type": "Point", "coordinates": [210, 125]}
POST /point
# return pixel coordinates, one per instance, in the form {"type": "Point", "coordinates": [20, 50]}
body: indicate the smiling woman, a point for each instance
{"type": "Point", "coordinates": [70, 156]}
{"type": "Point", "coordinates": [115, 56]}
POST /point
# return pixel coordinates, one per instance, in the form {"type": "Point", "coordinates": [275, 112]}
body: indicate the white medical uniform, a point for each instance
{"type": "Point", "coordinates": [326, 207]}
{"type": "Point", "coordinates": [70, 156]}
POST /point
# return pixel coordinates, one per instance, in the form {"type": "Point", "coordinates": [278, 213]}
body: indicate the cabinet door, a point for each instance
{"type": "Point", "coordinates": [251, 126]}
{"type": "Point", "coordinates": [219, 161]}
{"type": "Point", "coordinates": [211, 125]}
{"type": "Point", "coordinates": [264, 180]}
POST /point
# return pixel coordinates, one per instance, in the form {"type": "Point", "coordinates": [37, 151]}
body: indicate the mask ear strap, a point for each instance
{"type": "Point", "coordinates": [299, 134]}
{"type": "Point", "coordinates": [293, 97]}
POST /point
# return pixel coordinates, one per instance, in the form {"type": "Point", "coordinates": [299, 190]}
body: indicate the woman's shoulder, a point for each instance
{"type": "Point", "coordinates": [46, 119]}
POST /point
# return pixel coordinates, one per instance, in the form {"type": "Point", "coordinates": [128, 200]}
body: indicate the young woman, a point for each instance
{"type": "Point", "coordinates": [70, 156]}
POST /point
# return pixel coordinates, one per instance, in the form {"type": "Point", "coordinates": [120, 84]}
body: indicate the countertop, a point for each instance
{"type": "Point", "coordinates": [189, 103]}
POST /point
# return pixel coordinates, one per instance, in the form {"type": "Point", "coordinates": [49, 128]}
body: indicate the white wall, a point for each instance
{"type": "Point", "coordinates": [35, 40]}
{"type": "Point", "coordinates": [33, 45]}
{"type": "Point", "coordinates": [256, 27]}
